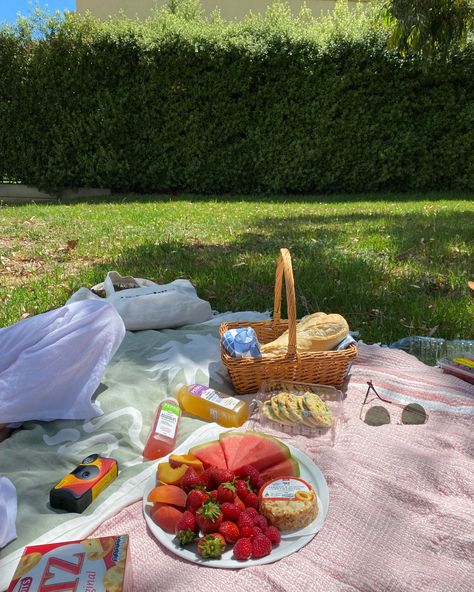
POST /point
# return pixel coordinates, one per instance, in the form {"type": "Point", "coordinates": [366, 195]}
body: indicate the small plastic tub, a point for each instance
{"type": "Point", "coordinates": [461, 366]}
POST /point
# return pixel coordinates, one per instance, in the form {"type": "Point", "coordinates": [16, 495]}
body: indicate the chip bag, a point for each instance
{"type": "Point", "coordinates": [100, 564]}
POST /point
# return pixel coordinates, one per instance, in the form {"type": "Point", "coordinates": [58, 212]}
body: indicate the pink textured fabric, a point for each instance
{"type": "Point", "coordinates": [401, 515]}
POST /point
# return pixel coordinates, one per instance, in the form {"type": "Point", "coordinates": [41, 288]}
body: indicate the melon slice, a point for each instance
{"type": "Point", "coordinates": [210, 453]}
{"type": "Point", "coordinates": [286, 468]}
{"type": "Point", "coordinates": [231, 444]}
{"type": "Point", "coordinates": [255, 448]}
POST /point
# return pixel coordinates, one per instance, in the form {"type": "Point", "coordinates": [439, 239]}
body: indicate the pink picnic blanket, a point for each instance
{"type": "Point", "coordinates": [401, 510]}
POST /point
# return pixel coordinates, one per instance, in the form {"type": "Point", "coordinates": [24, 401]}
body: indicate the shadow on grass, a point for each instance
{"type": "Point", "coordinates": [411, 284]}
{"type": "Point", "coordinates": [392, 271]}
{"type": "Point", "coordinates": [263, 198]}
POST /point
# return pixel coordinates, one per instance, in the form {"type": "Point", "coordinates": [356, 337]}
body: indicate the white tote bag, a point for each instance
{"type": "Point", "coordinates": [142, 304]}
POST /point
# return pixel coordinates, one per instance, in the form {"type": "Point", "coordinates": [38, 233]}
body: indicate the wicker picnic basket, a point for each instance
{"type": "Point", "coordinates": [323, 367]}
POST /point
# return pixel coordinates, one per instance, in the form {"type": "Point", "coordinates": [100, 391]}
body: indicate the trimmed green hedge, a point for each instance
{"type": "Point", "coordinates": [276, 103]}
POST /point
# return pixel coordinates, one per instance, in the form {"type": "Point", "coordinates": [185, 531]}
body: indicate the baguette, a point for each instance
{"type": "Point", "coordinates": [316, 332]}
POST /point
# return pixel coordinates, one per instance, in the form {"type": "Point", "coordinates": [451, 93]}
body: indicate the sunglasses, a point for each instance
{"type": "Point", "coordinates": [412, 414]}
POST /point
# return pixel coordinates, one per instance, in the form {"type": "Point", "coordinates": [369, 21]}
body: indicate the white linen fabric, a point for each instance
{"type": "Point", "coordinates": [51, 364]}
{"type": "Point", "coordinates": [143, 304]}
{"type": "Point", "coordinates": [8, 507]}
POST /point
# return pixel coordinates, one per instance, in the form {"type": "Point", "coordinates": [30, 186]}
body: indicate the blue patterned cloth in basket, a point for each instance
{"type": "Point", "coordinates": [241, 343]}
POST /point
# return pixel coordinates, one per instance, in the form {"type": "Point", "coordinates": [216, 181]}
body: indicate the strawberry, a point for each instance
{"type": "Point", "coordinates": [239, 503]}
{"type": "Point", "coordinates": [261, 522]}
{"type": "Point", "coordinates": [225, 493]}
{"type": "Point", "coordinates": [190, 480]}
{"type": "Point", "coordinates": [209, 517]}
{"type": "Point", "coordinates": [261, 546]}
{"type": "Point", "coordinates": [219, 476]}
{"type": "Point", "coordinates": [242, 489]}
{"type": "Point", "coordinates": [246, 532]}
{"type": "Point", "coordinates": [230, 511]}
{"type": "Point", "coordinates": [250, 473]}
{"type": "Point", "coordinates": [252, 512]}
{"type": "Point", "coordinates": [213, 494]}
{"type": "Point", "coordinates": [243, 549]}
{"type": "Point", "coordinates": [259, 484]}
{"type": "Point", "coordinates": [211, 546]}
{"type": "Point", "coordinates": [251, 501]}
{"type": "Point", "coordinates": [186, 528]}
{"type": "Point", "coordinates": [205, 477]}
{"type": "Point", "coordinates": [255, 531]}
{"type": "Point", "coordinates": [195, 499]}
{"type": "Point", "coordinates": [273, 534]}
{"type": "Point", "coordinates": [229, 531]}
{"type": "Point", "coordinates": [244, 520]}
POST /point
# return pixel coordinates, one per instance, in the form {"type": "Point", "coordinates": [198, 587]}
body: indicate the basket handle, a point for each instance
{"type": "Point", "coordinates": [284, 266]}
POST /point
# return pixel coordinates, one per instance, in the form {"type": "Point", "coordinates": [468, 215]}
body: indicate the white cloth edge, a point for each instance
{"type": "Point", "coordinates": [8, 510]}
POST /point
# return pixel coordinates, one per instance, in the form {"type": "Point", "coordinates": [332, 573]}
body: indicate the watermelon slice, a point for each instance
{"type": "Point", "coordinates": [231, 443]}
{"type": "Point", "coordinates": [287, 468]}
{"type": "Point", "coordinates": [210, 453]}
{"type": "Point", "coordinates": [255, 448]}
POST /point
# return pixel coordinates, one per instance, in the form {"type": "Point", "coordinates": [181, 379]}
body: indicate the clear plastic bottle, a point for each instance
{"type": "Point", "coordinates": [162, 438]}
{"type": "Point", "coordinates": [212, 405]}
{"type": "Point", "coordinates": [431, 349]}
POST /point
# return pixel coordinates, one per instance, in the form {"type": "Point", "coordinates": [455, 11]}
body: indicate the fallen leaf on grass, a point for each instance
{"type": "Point", "coordinates": [70, 246]}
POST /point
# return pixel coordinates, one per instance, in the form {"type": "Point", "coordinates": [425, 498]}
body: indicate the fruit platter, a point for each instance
{"type": "Point", "coordinates": [219, 502]}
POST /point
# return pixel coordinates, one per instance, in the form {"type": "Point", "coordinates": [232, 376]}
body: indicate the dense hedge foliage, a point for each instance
{"type": "Point", "coordinates": [275, 103]}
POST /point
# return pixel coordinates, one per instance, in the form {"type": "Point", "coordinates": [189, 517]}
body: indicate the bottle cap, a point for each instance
{"type": "Point", "coordinates": [172, 399]}
{"type": "Point", "coordinates": [178, 387]}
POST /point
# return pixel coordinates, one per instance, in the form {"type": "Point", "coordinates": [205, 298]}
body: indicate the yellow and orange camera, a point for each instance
{"type": "Point", "coordinates": [77, 490]}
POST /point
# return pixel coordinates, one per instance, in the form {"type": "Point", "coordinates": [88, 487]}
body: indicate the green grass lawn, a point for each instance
{"type": "Point", "coordinates": [393, 265]}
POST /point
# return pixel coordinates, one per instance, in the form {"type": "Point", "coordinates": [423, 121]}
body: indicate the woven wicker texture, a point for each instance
{"type": "Point", "coordinates": [247, 374]}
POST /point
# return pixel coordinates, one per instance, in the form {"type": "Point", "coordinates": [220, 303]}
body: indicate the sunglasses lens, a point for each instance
{"type": "Point", "coordinates": [377, 416]}
{"type": "Point", "coordinates": [414, 414]}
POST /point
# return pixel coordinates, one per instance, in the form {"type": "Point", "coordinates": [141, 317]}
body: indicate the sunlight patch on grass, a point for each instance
{"type": "Point", "coordinates": [393, 268]}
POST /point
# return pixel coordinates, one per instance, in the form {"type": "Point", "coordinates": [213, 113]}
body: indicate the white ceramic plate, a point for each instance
{"type": "Point", "coordinates": [290, 542]}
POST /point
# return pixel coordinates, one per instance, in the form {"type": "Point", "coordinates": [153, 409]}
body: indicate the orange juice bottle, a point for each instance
{"type": "Point", "coordinates": [162, 438]}
{"type": "Point", "coordinates": [209, 404]}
